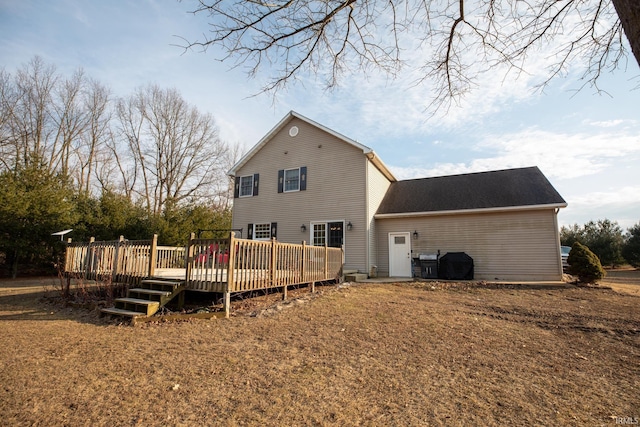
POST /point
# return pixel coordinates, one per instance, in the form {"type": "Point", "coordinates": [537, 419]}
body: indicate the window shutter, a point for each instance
{"type": "Point", "coordinates": [256, 179]}
{"type": "Point", "coordinates": [250, 231]}
{"type": "Point", "coordinates": [303, 178]}
{"type": "Point", "coordinates": [280, 180]}
{"type": "Point", "coordinates": [236, 189]}
{"type": "Point", "coordinates": [274, 230]}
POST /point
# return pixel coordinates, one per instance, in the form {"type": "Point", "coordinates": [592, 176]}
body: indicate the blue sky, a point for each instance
{"type": "Point", "coordinates": [587, 144]}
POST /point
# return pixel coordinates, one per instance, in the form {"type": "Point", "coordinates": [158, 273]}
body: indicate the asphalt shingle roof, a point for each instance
{"type": "Point", "coordinates": [483, 190]}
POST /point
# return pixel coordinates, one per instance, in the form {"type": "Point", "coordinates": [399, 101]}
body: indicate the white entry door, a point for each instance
{"type": "Point", "coordinates": [399, 254]}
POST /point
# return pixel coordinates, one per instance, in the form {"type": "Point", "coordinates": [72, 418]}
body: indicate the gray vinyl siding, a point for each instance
{"type": "Point", "coordinates": [377, 188]}
{"type": "Point", "coordinates": [335, 188]}
{"type": "Point", "coordinates": [516, 245]}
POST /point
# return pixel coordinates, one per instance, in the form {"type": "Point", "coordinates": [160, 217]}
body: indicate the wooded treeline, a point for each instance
{"type": "Point", "coordinates": [606, 239]}
{"type": "Point", "coordinates": [73, 155]}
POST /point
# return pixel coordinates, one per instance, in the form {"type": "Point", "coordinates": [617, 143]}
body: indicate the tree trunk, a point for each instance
{"type": "Point", "coordinates": [629, 14]}
{"type": "Point", "coordinates": [14, 265]}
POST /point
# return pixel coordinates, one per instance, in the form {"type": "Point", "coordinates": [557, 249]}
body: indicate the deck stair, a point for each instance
{"type": "Point", "coordinates": [147, 298]}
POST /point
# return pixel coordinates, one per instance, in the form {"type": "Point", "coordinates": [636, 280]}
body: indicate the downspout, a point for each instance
{"type": "Point", "coordinates": [557, 231]}
{"type": "Point", "coordinates": [366, 218]}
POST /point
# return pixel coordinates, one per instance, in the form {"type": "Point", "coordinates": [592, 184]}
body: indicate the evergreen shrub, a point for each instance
{"type": "Point", "coordinates": [584, 264]}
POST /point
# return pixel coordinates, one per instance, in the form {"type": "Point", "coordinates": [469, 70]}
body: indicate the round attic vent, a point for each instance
{"type": "Point", "coordinates": [293, 131]}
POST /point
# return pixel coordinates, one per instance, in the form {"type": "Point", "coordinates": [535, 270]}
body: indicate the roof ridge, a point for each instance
{"type": "Point", "coordinates": [470, 173]}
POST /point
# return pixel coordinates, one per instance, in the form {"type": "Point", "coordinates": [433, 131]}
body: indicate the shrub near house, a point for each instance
{"type": "Point", "coordinates": [584, 264]}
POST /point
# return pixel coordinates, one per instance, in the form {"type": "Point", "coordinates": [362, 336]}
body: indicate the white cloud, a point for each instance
{"type": "Point", "coordinates": [561, 156]}
{"type": "Point", "coordinates": [617, 204]}
{"type": "Point", "coordinates": [607, 123]}
{"type": "Point", "coordinates": [621, 197]}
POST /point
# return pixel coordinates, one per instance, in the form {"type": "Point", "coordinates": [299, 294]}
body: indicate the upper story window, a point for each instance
{"type": "Point", "coordinates": [246, 186]}
{"type": "Point", "coordinates": [290, 180]}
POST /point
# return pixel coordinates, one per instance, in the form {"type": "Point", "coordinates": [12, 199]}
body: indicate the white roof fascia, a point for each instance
{"type": "Point", "coordinates": [366, 150]}
{"type": "Point", "coordinates": [471, 211]}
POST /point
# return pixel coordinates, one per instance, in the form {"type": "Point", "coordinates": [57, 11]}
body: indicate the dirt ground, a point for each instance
{"type": "Point", "coordinates": [416, 353]}
{"type": "Point", "coordinates": [623, 280]}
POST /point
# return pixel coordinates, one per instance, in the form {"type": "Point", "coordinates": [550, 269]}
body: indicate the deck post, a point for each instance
{"type": "Point", "coordinates": [304, 266]}
{"type": "Point", "coordinates": [153, 255]}
{"type": "Point", "coordinates": [189, 259]}
{"type": "Point", "coordinates": [67, 255]}
{"type": "Point", "coordinates": [116, 260]}
{"type": "Point", "coordinates": [181, 299]}
{"type": "Point", "coordinates": [274, 266]}
{"type": "Point", "coordinates": [89, 260]}
{"type": "Point", "coordinates": [229, 284]}
{"type": "Point", "coordinates": [341, 279]}
{"type": "Point", "coordinates": [326, 262]}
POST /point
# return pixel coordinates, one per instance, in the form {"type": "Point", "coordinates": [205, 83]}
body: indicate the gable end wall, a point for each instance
{"type": "Point", "coordinates": [335, 188]}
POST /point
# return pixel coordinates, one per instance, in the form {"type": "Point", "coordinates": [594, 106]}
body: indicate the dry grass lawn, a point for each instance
{"type": "Point", "coordinates": [368, 354]}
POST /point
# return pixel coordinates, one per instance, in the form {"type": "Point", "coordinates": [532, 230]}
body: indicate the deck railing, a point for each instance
{"type": "Point", "coordinates": [237, 265]}
{"type": "Point", "coordinates": [214, 265]}
{"type": "Point", "coordinates": [207, 264]}
{"type": "Point", "coordinates": [122, 260]}
{"type": "Point", "coordinates": [170, 257]}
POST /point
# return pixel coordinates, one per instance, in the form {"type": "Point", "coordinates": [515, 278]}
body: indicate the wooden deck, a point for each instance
{"type": "Point", "coordinates": [210, 265]}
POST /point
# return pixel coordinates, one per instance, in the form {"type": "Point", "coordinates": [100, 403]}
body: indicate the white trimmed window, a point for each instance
{"type": "Point", "coordinates": [246, 186]}
{"type": "Point", "coordinates": [292, 180]}
{"type": "Point", "coordinates": [328, 233]}
{"type": "Point", "coordinates": [319, 234]}
{"type": "Point", "coordinates": [262, 231]}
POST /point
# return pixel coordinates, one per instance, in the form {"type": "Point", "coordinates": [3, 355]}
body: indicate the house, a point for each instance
{"type": "Point", "coordinates": [305, 182]}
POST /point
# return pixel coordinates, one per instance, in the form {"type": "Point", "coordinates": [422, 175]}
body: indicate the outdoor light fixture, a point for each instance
{"type": "Point", "coordinates": [349, 226]}
{"type": "Point", "coordinates": [303, 228]}
{"type": "Point", "coordinates": [415, 235]}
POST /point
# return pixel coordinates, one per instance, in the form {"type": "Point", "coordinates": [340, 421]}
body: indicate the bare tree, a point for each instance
{"type": "Point", "coordinates": [70, 118]}
{"type": "Point", "coordinates": [6, 113]}
{"type": "Point", "coordinates": [152, 146]}
{"type": "Point", "coordinates": [126, 150]}
{"type": "Point", "coordinates": [30, 127]}
{"type": "Point", "coordinates": [223, 194]}
{"type": "Point", "coordinates": [93, 141]}
{"type": "Point", "coordinates": [460, 39]}
{"type": "Point", "coordinates": [173, 151]}
{"type": "Point", "coordinates": [43, 116]}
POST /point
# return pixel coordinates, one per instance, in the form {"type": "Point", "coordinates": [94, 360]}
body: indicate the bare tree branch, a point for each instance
{"type": "Point", "coordinates": [458, 40]}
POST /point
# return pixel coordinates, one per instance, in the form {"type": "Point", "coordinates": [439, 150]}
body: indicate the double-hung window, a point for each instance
{"type": "Point", "coordinates": [246, 186]}
{"type": "Point", "coordinates": [292, 179]}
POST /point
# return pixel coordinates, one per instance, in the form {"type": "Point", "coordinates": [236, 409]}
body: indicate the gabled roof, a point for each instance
{"type": "Point", "coordinates": [371, 155]}
{"type": "Point", "coordinates": [524, 188]}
